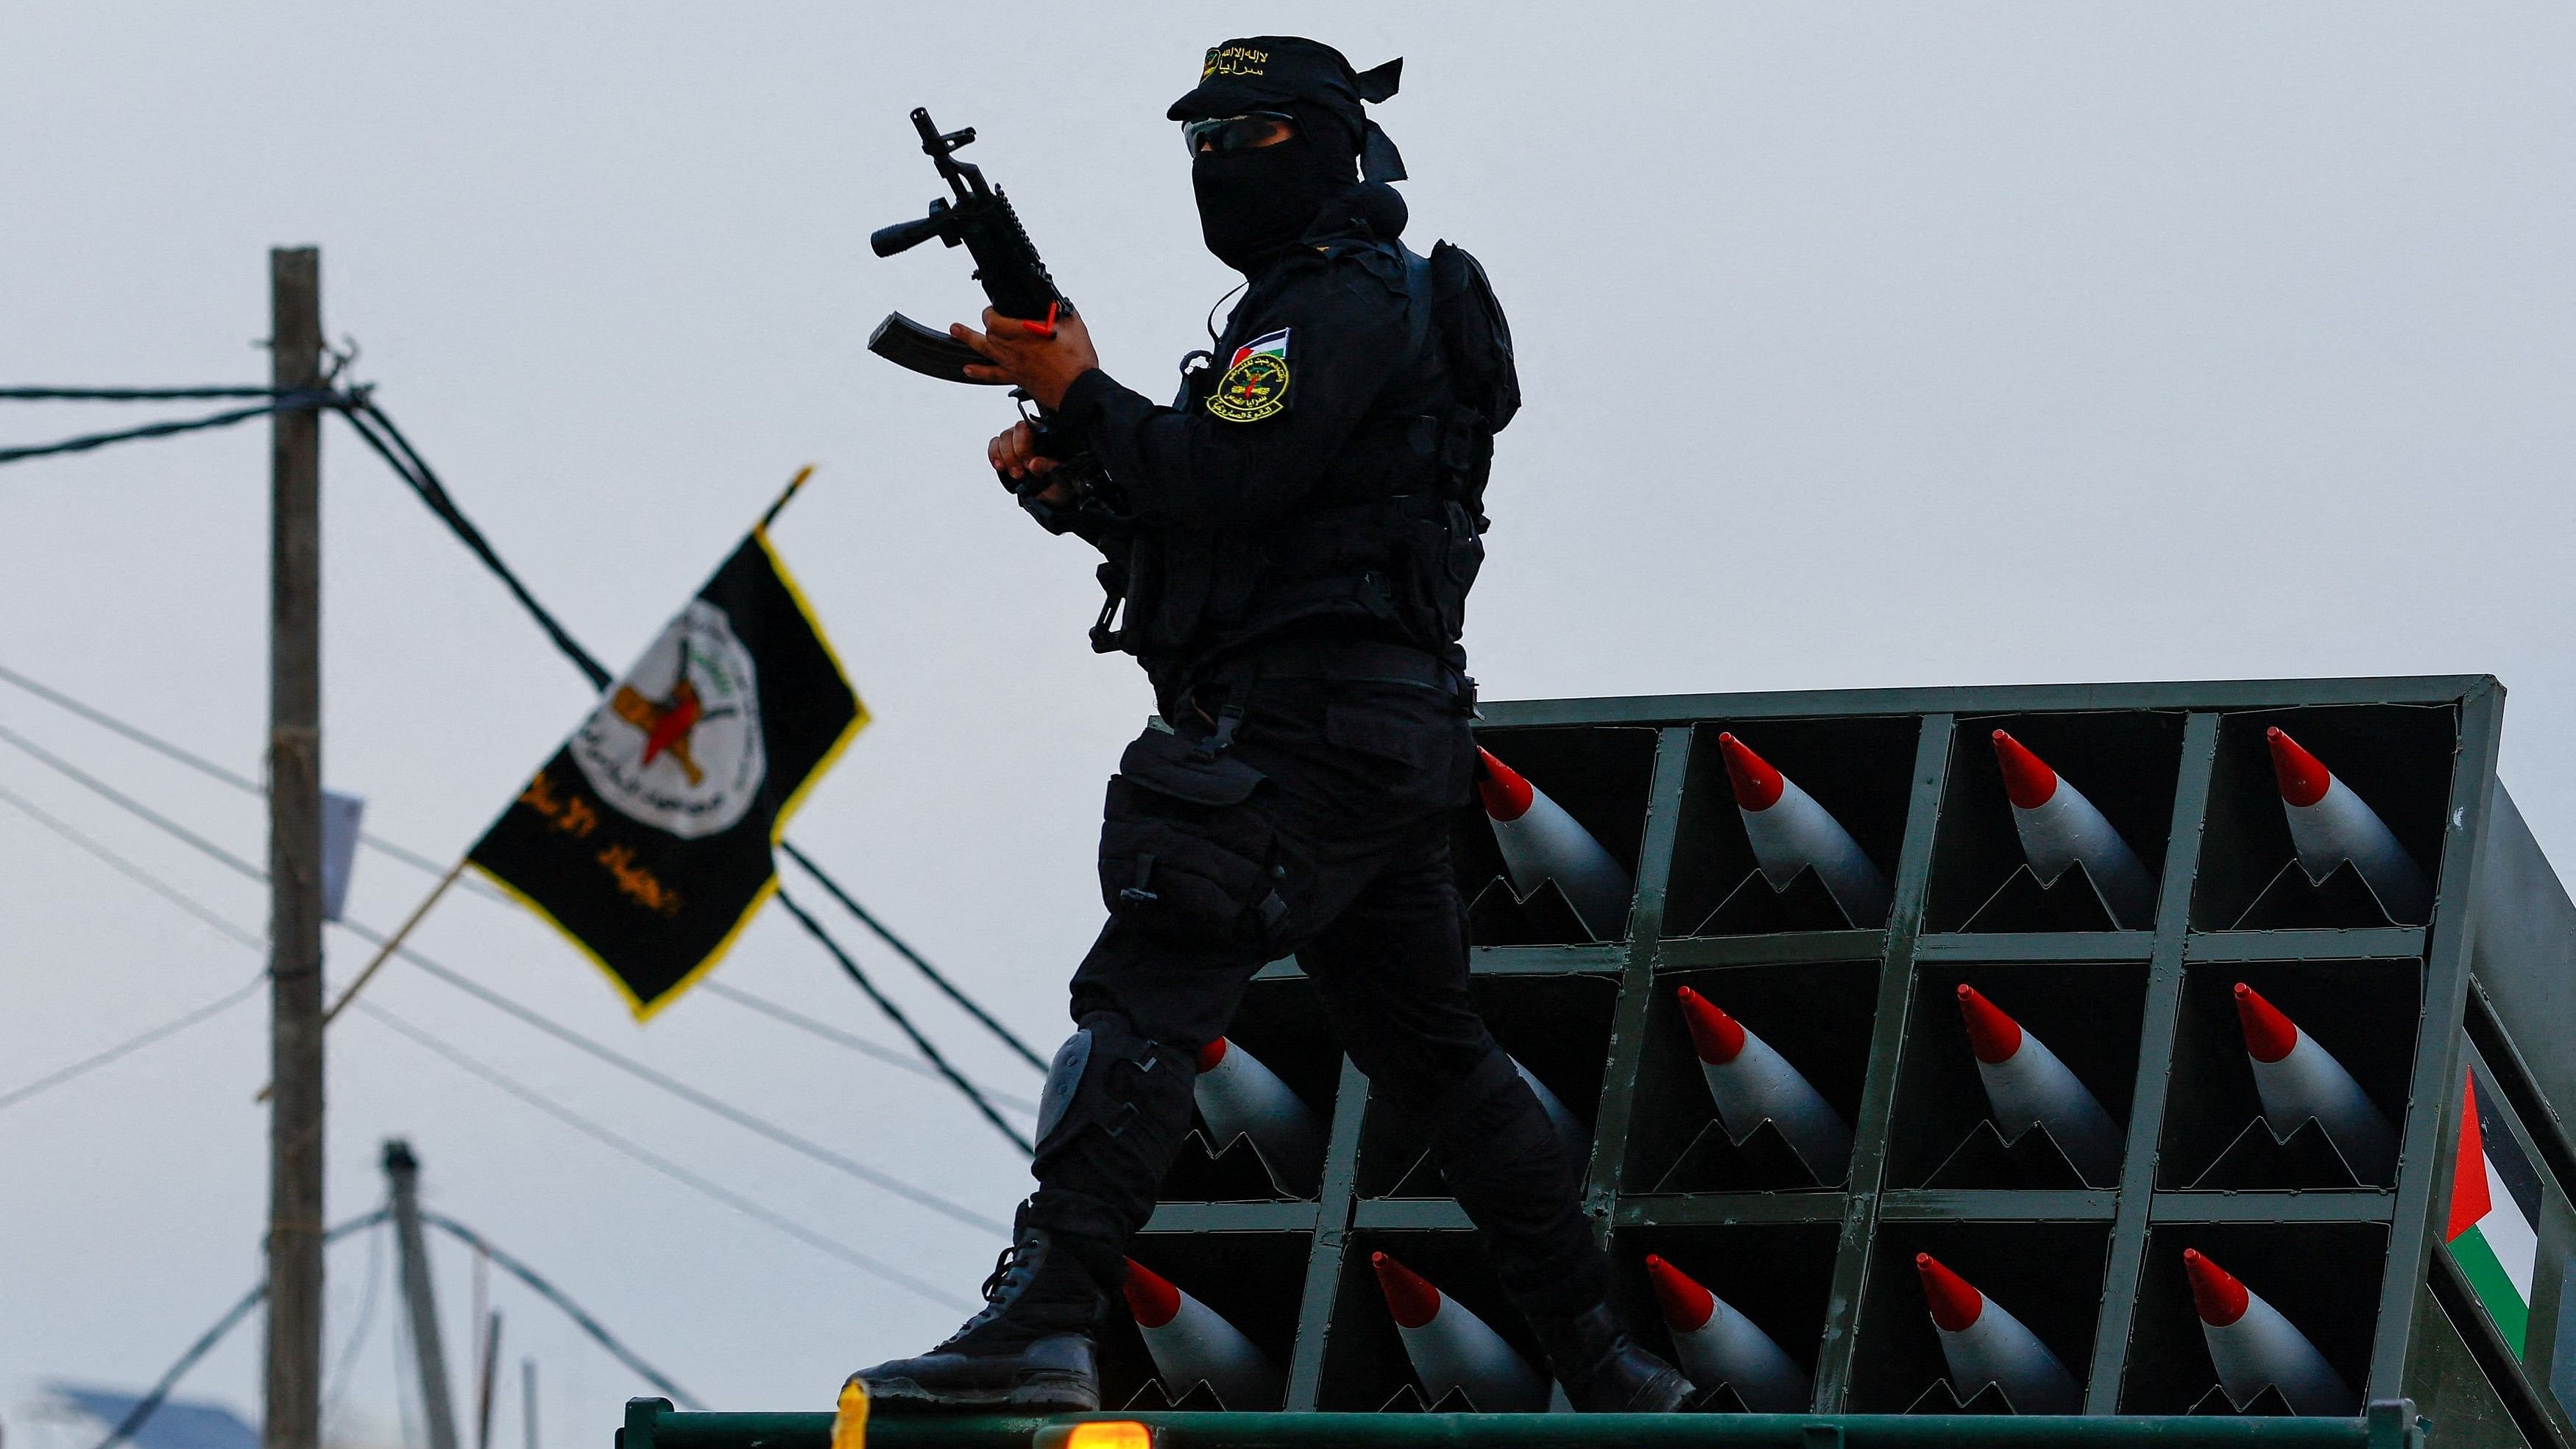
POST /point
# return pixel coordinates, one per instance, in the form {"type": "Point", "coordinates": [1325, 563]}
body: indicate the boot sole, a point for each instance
{"type": "Point", "coordinates": [1037, 1391]}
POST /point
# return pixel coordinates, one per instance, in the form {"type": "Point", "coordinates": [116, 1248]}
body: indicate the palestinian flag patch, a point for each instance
{"type": "Point", "coordinates": [1255, 385]}
{"type": "Point", "coordinates": [2495, 1200]}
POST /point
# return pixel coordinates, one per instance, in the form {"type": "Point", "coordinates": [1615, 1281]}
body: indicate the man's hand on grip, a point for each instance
{"type": "Point", "coordinates": [1045, 366]}
{"type": "Point", "coordinates": [1013, 454]}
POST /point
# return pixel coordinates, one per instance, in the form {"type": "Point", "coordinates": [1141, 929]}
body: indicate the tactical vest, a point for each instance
{"type": "Point", "coordinates": [1391, 543]}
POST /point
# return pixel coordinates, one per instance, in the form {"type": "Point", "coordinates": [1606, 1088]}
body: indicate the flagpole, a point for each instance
{"type": "Point", "coordinates": [793, 484]}
{"type": "Point", "coordinates": [383, 954]}
{"type": "Point", "coordinates": [394, 942]}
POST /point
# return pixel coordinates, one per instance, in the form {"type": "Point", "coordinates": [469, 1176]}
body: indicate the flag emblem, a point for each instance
{"type": "Point", "coordinates": [1255, 385]}
{"type": "Point", "coordinates": [646, 838]}
{"type": "Point", "coordinates": [682, 751]}
{"type": "Point", "coordinates": [2495, 1200]}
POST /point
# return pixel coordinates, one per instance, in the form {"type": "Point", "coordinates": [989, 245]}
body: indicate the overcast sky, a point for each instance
{"type": "Point", "coordinates": [1892, 345]}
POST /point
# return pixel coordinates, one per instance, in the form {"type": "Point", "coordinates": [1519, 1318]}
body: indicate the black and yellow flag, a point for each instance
{"type": "Point", "coordinates": [646, 839]}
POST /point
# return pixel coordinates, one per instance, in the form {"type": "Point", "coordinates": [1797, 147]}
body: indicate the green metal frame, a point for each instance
{"type": "Point", "coordinates": [652, 1424]}
{"type": "Point", "coordinates": [2126, 1214]}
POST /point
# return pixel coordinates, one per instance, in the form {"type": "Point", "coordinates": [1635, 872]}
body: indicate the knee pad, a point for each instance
{"type": "Point", "coordinates": [1106, 1077]}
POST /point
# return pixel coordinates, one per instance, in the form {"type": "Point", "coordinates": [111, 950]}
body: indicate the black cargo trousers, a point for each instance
{"type": "Point", "coordinates": [1320, 828]}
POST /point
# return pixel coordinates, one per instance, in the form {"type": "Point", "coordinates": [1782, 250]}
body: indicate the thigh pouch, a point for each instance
{"type": "Point", "coordinates": [1186, 850]}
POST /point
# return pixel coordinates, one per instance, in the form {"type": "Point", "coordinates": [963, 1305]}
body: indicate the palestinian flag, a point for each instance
{"type": "Point", "coordinates": [646, 839]}
{"type": "Point", "coordinates": [2495, 1200]}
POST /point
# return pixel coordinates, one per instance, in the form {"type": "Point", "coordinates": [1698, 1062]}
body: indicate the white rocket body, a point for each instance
{"type": "Point", "coordinates": [1795, 832]}
{"type": "Point", "coordinates": [2060, 828]}
{"type": "Point", "coordinates": [1239, 1096]}
{"type": "Point", "coordinates": [1453, 1349]}
{"type": "Point", "coordinates": [2258, 1348]}
{"type": "Point", "coordinates": [2340, 827]}
{"type": "Point", "coordinates": [1997, 1349]}
{"type": "Point", "coordinates": [1760, 1083]}
{"type": "Point", "coordinates": [1196, 1345]}
{"type": "Point", "coordinates": [1716, 1345]}
{"type": "Point", "coordinates": [2334, 825]}
{"type": "Point", "coordinates": [1750, 1082]}
{"type": "Point", "coordinates": [2309, 1082]}
{"type": "Point", "coordinates": [1540, 842]}
{"type": "Point", "coordinates": [2029, 1087]}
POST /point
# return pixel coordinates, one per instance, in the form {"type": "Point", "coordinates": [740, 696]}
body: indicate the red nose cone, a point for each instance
{"type": "Point", "coordinates": [1413, 1301]}
{"type": "Point", "coordinates": [2268, 1034]}
{"type": "Point", "coordinates": [2028, 782]}
{"type": "Point", "coordinates": [2303, 776]}
{"type": "Point", "coordinates": [2215, 1293]}
{"type": "Point", "coordinates": [1993, 1036]}
{"type": "Point", "coordinates": [1687, 1306]}
{"type": "Point", "coordinates": [1757, 785]}
{"type": "Point", "coordinates": [1506, 795]}
{"type": "Point", "coordinates": [1151, 1296]}
{"type": "Point", "coordinates": [1211, 1054]}
{"type": "Point", "coordinates": [1954, 1304]}
{"type": "Point", "coordinates": [1714, 1034]}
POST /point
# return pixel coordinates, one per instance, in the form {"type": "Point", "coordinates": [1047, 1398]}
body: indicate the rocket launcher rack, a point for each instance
{"type": "Point", "coordinates": [2355, 1254]}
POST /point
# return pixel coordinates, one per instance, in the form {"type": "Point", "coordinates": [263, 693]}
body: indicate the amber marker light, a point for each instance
{"type": "Point", "coordinates": [850, 1417]}
{"type": "Point", "coordinates": [1097, 1434]}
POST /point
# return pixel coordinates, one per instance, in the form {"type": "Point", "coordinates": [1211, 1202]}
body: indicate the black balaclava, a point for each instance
{"type": "Point", "coordinates": [1253, 203]}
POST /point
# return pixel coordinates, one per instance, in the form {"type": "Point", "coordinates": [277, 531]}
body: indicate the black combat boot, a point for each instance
{"type": "Point", "coordinates": [1030, 1347]}
{"type": "Point", "coordinates": [1604, 1371]}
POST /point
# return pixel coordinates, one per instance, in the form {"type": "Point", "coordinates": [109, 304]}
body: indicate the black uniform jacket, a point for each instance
{"type": "Point", "coordinates": [1257, 504]}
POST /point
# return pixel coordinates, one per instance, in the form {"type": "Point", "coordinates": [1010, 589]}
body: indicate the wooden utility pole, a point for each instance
{"type": "Point", "coordinates": [420, 1296]}
{"type": "Point", "coordinates": [294, 1381]}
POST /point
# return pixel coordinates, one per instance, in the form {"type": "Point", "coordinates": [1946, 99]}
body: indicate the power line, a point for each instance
{"type": "Point", "coordinates": [526, 1094]}
{"type": "Point", "coordinates": [736, 1115]}
{"type": "Point", "coordinates": [833, 889]}
{"type": "Point", "coordinates": [282, 402]}
{"type": "Point", "coordinates": [895, 1014]}
{"type": "Point", "coordinates": [827, 1032]}
{"type": "Point", "coordinates": [145, 1407]}
{"type": "Point", "coordinates": [663, 1165]}
{"type": "Point", "coordinates": [130, 805]}
{"type": "Point", "coordinates": [209, 768]}
{"type": "Point", "coordinates": [416, 474]}
{"type": "Point", "coordinates": [427, 866]}
{"type": "Point", "coordinates": [134, 1044]}
{"type": "Point", "coordinates": [128, 869]}
{"type": "Point", "coordinates": [598, 1332]}
{"type": "Point", "coordinates": [803, 1146]}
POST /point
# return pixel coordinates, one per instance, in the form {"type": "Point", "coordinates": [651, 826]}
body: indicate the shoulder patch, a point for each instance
{"type": "Point", "coordinates": [1255, 385]}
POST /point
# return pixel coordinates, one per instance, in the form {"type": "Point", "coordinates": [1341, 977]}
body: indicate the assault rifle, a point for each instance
{"type": "Point", "coordinates": [979, 217]}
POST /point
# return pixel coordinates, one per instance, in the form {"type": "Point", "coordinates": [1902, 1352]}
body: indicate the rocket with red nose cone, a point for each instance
{"type": "Point", "coordinates": [1789, 831]}
{"type": "Point", "coordinates": [1984, 1345]}
{"type": "Point", "coordinates": [1192, 1345]}
{"type": "Point", "coordinates": [1752, 1083]}
{"type": "Point", "coordinates": [2029, 1087]}
{"type": "Point", "coordinates": [2253, 1347]}
{"type": "Point", "coordinates": [1453, 1349]}
{"type": "Point", "coordinates": [1541, 843]}
{"type": "Point", "coordinates": [1717, 1345]}
{"type": "Point", "coordinates": [2330, 825]}
{"type": "Point", "coordinates": [1239, 1096]}
{"type": "Point", "coordinates": [2298, 1079]}
{"type": "Point", "coordinates": [2059, 828]}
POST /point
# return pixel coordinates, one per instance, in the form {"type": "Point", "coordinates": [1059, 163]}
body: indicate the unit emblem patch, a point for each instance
{"type": "Point", "coordinates": [1255, 385]}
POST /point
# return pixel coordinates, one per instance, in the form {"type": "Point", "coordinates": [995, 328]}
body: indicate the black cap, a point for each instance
{"type": "Point", "coordinates": [1264, 72]}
